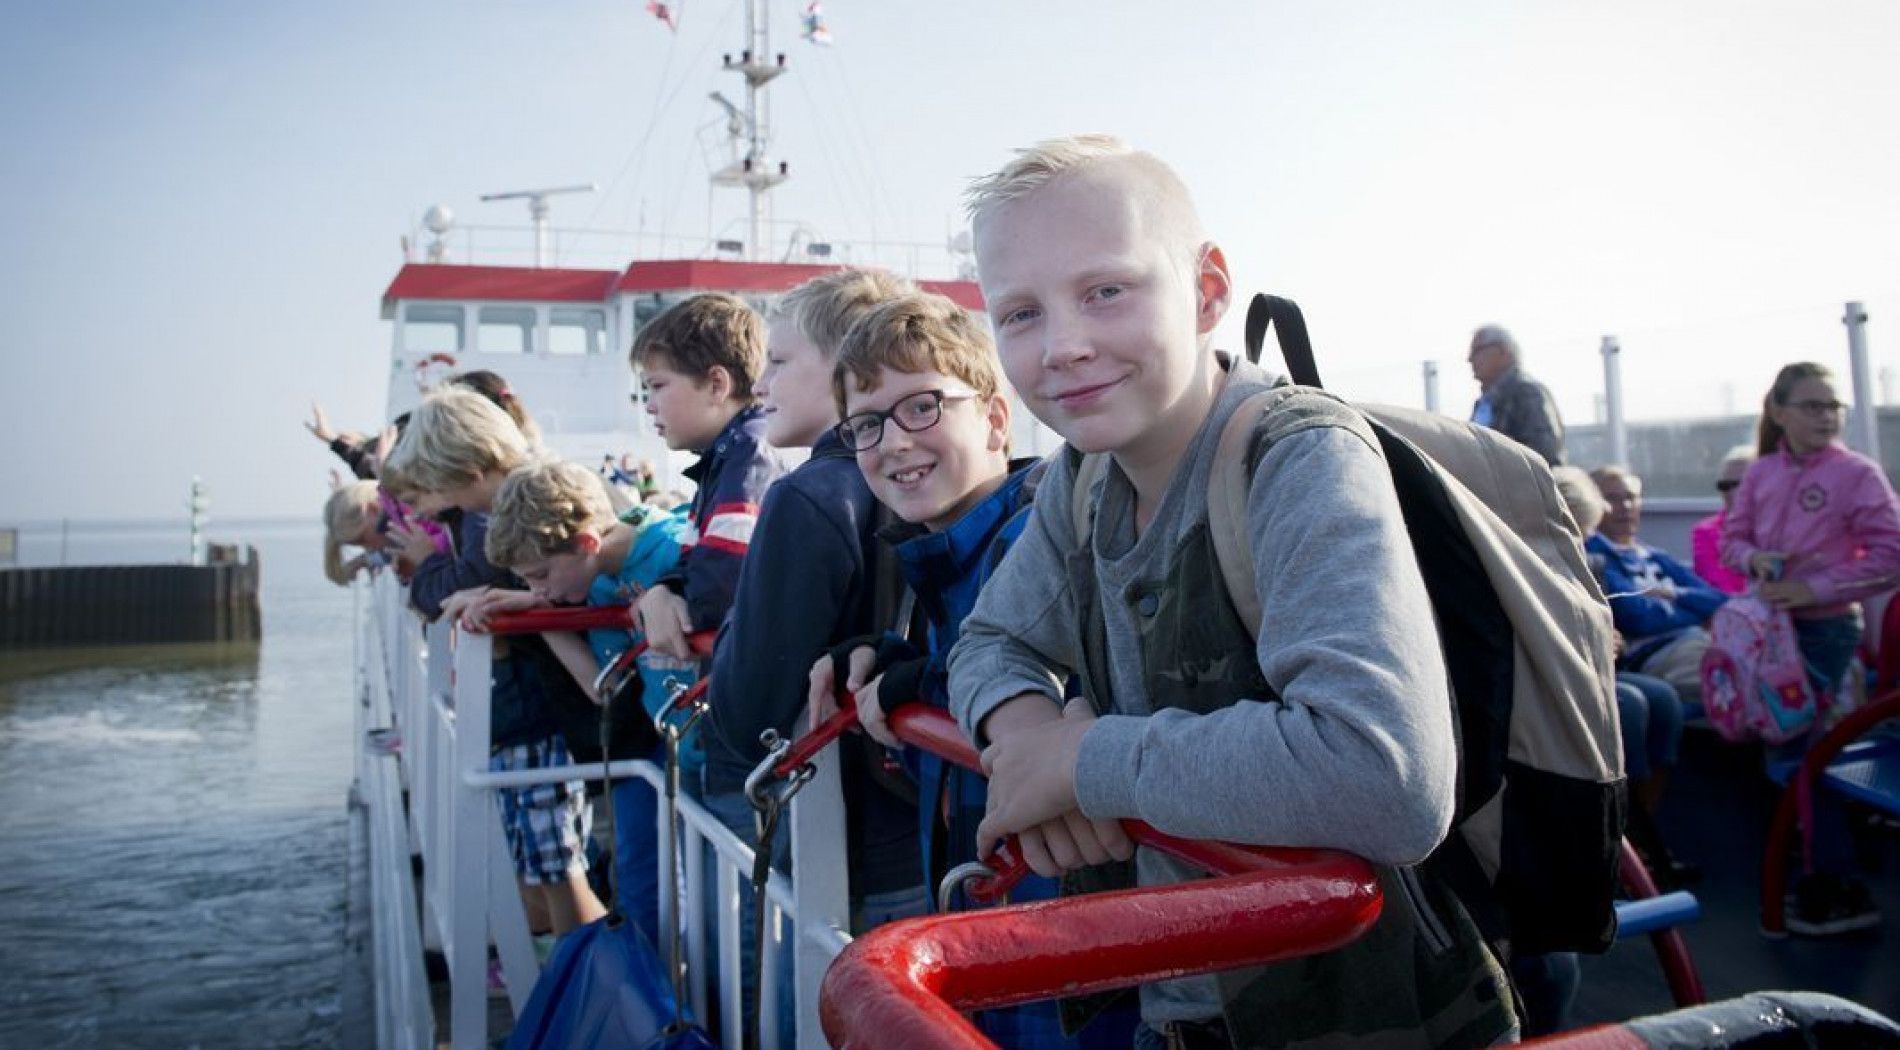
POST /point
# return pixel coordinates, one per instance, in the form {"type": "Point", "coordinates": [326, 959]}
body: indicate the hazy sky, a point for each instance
{"type": "Point", "coordinates": [203, 201]}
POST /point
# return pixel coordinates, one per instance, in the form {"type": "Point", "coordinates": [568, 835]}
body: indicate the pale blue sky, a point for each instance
{"type": "Point", "coordinates": [203, 200]}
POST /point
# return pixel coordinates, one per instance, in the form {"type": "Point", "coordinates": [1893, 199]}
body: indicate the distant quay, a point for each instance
{"type": "Point", "coordinates": [133, 604]}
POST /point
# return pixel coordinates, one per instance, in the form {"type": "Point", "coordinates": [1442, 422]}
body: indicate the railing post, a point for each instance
{"type": "Point", "coordinates": [1613, 400]}
{"type": "Point", "coordinates": [468, 838]}
{"type": "Point", "coordinates": [822, 900]}
{"type": "Point", "coordinates": [1866, 434]}
{"type": "Point", "coordinates": [1431, 386]}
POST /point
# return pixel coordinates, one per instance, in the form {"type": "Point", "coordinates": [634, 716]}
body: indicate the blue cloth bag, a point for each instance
{"type": "Point", "coordinates": [605, 988]}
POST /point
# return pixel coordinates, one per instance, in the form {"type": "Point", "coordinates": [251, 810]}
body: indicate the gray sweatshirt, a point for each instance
{"type": "Point", "coordinates": [1356, 754]}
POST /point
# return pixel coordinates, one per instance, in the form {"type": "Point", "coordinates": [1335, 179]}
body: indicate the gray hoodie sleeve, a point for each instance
{"type": "Point", "coordinates": [1357, 754]}
{"type": "Point", "coordinates": [1020, 636]}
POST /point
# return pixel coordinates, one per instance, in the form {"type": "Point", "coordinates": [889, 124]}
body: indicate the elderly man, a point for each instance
{"type": "Point", "coordinates": [1660, 605]}
{"type": "Point", "coordinates": [1512, 403]}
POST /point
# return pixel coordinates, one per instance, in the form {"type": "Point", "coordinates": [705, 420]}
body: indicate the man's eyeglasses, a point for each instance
{"type": "Point", "coordinates": [915, 413]}
{"type": "Point", "coordinates": [1819, 408]}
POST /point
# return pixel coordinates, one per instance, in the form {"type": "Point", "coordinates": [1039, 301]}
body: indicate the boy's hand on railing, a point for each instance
{"type": "Point", "coordinates": [1072, 841]}
{"type": "Point", "coordinates": [664, 619]}
{"type": "Point", "coordinates": [1031, 766]}
{"type": "Point", "coordinates": [821, 694]}
{"type": "Point", "coordinates": [475, 615]}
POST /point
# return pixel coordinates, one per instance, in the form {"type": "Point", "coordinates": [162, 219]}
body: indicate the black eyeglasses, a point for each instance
{"type": "Point", "coordinates": [1727, 485]}
{"type": "Point", "coordinates": [914, 413]}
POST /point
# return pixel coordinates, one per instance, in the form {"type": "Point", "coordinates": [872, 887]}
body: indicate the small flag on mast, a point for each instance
{"type": "Point", "coordinates": [815, 29]}
{"type": "Point", "coordinates": [663, 11]}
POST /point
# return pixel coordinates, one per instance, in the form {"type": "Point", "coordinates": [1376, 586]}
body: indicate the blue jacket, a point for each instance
{"type": "Point", "coordinates": [732, 477]}
{"type": "Point", "coordinates": [654, 552]}
{"type": "Point", "coordinates": [808, 583]}
{"type": "Point", "coordinates": [1649, 622]}
{"type": "Point", "coordinates": [946, 570]}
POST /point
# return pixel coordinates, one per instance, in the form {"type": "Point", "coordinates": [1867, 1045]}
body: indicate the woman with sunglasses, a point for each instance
{"type": "Point", "coordinates": [1817, 528]}
{"type": "Point", "coordinates": [1705, 538]}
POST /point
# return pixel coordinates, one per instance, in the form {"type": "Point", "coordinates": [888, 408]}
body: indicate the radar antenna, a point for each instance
{"type": "Point", "coordinates": [538, 211]}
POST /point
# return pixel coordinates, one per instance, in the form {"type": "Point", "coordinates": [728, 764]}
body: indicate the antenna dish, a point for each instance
{"type": "Point", "coordinates": [438, 219]}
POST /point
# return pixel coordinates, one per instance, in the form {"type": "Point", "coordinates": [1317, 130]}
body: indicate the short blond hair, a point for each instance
{"type": "Point", "coordinates": [917, 332]}
{"type": "Point", "coordinates": [454, 437]}
{"type": "Point", "coordinates": [349, 510]}
{"type": "Point", "coordinates": [541, 508]}
{"type": "Point", "coordinates": [1580, 496]}
{"type": "Point", "coordinates": [824, 308]}
{"type": "Point", "coordinates": [1159, 188]}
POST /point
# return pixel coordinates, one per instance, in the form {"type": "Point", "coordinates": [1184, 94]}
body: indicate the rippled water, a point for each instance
{"type": "Point", "coordinates": [172, 829]}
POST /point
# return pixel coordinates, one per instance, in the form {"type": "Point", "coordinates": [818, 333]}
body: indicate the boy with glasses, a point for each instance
{"type": "Point", "coordinates": [919, 386]}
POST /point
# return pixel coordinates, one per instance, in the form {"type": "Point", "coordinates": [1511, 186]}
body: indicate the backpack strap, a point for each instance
{"type": "Point", "coordinates": [1227, 507]}
{"type": "Point", "coordinates": [1289, 327]}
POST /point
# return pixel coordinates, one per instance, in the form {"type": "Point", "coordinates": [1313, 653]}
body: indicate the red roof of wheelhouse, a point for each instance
{"type": "Point", "coordinates": [527, 284]}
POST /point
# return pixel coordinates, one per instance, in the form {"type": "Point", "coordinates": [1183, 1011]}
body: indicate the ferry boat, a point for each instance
{"type": "Point", "coordinates": [431, 876]}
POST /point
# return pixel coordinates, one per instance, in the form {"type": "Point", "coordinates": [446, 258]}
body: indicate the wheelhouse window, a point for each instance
{"type": "Point", "coordinates": [575, 332]}
{"type": "Point", "coordinates": [505, 330]}
{"type": "Point", "coordinates": [431, 329]}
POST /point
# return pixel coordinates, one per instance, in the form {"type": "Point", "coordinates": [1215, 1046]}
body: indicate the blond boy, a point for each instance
{"type": "Point", "coordinates": [455, 453]}
{"type": "Point", "coordinates": [554, 526]}
{"type": "Point", "coordinates": [1105, 293]}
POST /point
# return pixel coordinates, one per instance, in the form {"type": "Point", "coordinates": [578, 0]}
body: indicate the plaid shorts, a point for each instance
{"type": "Point", "coordinates": [546, 825]}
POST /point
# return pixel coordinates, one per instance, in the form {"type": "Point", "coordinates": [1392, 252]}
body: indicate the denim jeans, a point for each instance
{"type": "Point", "coordinates": [1649, 712]}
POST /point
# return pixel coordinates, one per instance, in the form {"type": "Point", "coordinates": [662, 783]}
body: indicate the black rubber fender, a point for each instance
{"type": "Point", "coordinates": [1771, 1021]}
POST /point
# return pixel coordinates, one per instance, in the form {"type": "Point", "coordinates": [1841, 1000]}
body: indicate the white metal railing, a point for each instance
{"type": "Point", "coordinates": [434, 686]}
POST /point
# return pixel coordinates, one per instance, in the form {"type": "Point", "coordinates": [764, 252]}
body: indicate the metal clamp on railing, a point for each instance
{"type": "Point", "coordinates": [787, 763]}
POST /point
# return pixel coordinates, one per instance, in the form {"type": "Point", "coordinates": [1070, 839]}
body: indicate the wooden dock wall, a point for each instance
{"type": "Point", "coordinates": [130, 604]}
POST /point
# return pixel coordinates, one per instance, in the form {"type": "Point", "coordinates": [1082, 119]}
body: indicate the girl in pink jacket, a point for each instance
{"type": "Point", "coordinates": [1817, 528]}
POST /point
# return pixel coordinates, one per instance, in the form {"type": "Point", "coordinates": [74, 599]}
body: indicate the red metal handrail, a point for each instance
{"type": "Point", "coordinates": [1672, 952]}
{"type": "Point", "coordinates": [1774, 862]}
{"type": "Point", "coordinates": [565, 618]}
{"type": "Point", "coordinates": [905, 984]}
{"type": "Point", "coordinates": [933, 730]}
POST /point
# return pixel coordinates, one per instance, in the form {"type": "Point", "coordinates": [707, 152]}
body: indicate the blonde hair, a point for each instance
{"type": "Point", "coordinates": [454, 437]}
{"type": "Point", "coordinates": [824, 308]}
{"type": "Point", "coordinates": [1617, 472]}
{"type": "Point", "coordinates": [540, 509]}
{"type": "Point", "coordinates": [1037, 166]}
{"type": "Point", "coordinates": [917, 332]}
{"type": "Point", "coordinates": [1580, 495]}
{"type": "Point", "coordinates": [1163, 197]}
{"type": "Point", "coordinates": [349, 510]}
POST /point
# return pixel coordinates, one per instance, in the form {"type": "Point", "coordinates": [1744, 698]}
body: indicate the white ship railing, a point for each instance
{"type": "Point", "coordinates": [433, 686]}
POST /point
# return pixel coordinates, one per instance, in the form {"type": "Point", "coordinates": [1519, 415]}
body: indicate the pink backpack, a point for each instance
{"type": "Point", "coordinates": [1754, 680]}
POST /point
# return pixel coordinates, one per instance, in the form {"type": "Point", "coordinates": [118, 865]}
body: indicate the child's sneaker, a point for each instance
{"type": "Point", "coordinates": [1825, 905]}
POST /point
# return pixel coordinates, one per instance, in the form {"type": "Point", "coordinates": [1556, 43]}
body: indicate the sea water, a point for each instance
{"type": "Point", "coordinates": [173, 819]}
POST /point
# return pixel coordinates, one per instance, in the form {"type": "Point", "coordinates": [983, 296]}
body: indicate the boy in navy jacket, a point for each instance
{"type": "Point", "coordinates": [698, 362]}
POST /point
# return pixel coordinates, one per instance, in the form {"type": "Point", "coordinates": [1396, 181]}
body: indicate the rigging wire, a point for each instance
{"type": "Point", "coordinates": [837, 163]}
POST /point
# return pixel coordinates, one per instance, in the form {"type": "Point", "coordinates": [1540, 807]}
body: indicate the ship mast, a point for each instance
{"type": "Point", "coordinates": [749, 130]}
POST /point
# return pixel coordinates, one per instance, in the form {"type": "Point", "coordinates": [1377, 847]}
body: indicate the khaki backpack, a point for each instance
{"type": "Point", "coordinates": [1527, 639]}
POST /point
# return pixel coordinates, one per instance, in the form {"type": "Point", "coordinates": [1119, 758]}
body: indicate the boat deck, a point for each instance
{"type": "Point", "coordinates": [1717, 813]}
